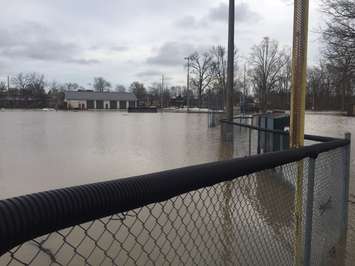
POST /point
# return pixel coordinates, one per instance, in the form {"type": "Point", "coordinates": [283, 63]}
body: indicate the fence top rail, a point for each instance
{"type": "Point", "coordinates": [27, 217]}
{"type": "Point", "coordinates": [280, 132]}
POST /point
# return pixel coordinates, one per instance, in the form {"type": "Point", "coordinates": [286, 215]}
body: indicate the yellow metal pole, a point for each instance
{"type": "Point", "coordinates": [298, 94]}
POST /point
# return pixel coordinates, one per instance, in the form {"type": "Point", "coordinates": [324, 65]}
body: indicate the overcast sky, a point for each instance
{"type": "Point", "coordinates": [126, 40]}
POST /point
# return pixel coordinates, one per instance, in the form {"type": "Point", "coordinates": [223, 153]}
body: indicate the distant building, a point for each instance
{"type": "Point", "coordinates": [86, 100]}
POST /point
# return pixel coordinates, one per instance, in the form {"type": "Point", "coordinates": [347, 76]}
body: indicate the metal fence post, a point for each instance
{"type": "Point", "coordinates": [250, 141]}
{"type": "Point", "coordinates": [347, 181]}
{"type": "Point", "coordinates": [266, 137]}
{"type": "Point", "coordinates": [309, 213]}
{"type": "Point", "coordinates": [259, 134]}
{"type": "Point", "coordinates": [281, 144]}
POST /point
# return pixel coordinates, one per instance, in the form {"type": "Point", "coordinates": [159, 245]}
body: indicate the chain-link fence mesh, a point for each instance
{"type": "Point", "coordinates": [249, 141]}
{"type": "Point", "coordinates": [350, 237]}
{"type": "Point", "coordinates": [329, 208]}
{"type": "Point", "coordinates": [247, 221]}
{"type": "Point", "coordinates": [252, 141]}
{"type": "Point", "coordinates": [328, 194]}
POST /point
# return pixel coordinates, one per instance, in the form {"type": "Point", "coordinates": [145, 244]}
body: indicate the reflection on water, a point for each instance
{"type": "Point", "coordinates": [273, 199]}
{"type": "Point", "coordinates": [226, 152]}
{"type": "Point", "coordinates": [270, 188]}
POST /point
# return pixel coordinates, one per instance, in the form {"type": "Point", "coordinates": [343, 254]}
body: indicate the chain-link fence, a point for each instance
{"type": "Point", "coordinates": [329, 208]}
{"type": "Point", "coordinates": [245, 221]}
{"type": "Point", "coordinates": [251, 139]}
{"type": "Point", "coordinates": [328, 191]}
{"type": "Point", "coordinates": [350, 238]}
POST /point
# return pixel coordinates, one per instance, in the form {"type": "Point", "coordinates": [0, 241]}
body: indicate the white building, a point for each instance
{"type": "Point", "coordinates": [86, 100]}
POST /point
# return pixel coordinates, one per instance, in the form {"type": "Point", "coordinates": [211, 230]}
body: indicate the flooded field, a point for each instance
{"type": "Point", "coordinates": [46, 150]}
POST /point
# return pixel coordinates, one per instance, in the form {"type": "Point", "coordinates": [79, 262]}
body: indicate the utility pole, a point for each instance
{"type": "Point", "coordinates": [161, 91]}
{"type": "Point", "coordinates": [244, 89]}
{"type": "Point", "coordinates": [230, 63]}
{"type": "Point", "coordinates": [8, 83]}
{"type": "Point", "coordinates": [188, 83]}
{"type": "Point", "coordinates": [265, 69]}
{"type": "Point", "coordinates": [244, 80]}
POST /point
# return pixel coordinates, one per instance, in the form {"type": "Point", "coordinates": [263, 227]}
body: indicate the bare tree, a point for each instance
{"type": "Point", "coordinates": [219, 67]}
{"type": "Point", "coordinates": [339, 33]}
{"type": "Point", "coordinates": [53, 86]}
{"type": "Point", "coordinates": [56, 95]}
{"type": "Point", "coordinates": [35, 83]}
{"type": "Point", "coordinates": [30, 83]}
{"type": "Point", "coordinates": [314, 84]}
{"type": "Point", "coordinates": [101, 85]}
{"type": "Point", "coordinates": [154, 93]}
{"type": "Point", "coordinates": [20, 81]}
{"type": "Point", "coordinates": [284, 77]}
{"type": "Point", "coordinates": [280, 93]}
{"type": "Point", "coordinates": [202, 72]}
{"type": "Point", "coordinates": [69, 86]}
{"type": "Point", "coordinates": [267, 62]}
{"type": "Point", "coordinates": [219, 71]}
{"type": "Point", "coordinates": [154, 89]}
{"type": "Point", "coordinates": [339, 36]}
{"type": "Point", "coordinates": [341, 64]}
{"type": "Point", "coordinates": [120, 88]}
{"type": "Point", "coordinates": [321, 89]}
{"type": "Point", "coordinates": [139, 90]}
{"type": "Point", "coordinates": [166, 97]}
{"type": "Point", "coordinates": [3, 86]}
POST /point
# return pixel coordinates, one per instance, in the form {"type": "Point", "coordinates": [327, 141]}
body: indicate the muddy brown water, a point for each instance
{"type": "Point", "coordinates": [48, 150]}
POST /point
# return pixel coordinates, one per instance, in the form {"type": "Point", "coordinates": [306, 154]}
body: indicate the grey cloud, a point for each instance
{"type": "Point", "coordinates": [82, 61]}
{"type": "Point", "coordinates": [69, 34]}
{"type": "Point", "coordinates": [243, 13]}
{"type": "Point", "coordinates": [40, 50]}
{"type": "Point", "coordinates": [171, 54]}
{"type": "Point", "coordinates": [149, 73]}
{"type": "Point", "coordinates": [109, 48]}
{"type": "Point", "coordinates": [219, 13]}
{"type": "Point", "coordinates": [35, 41]}
{"type": "Point", "coordinates": [190, 22]}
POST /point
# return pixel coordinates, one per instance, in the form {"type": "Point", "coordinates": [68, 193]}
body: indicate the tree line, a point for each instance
{"type": "Point", "coordinates": [332, 82]}
{"type": "Point", "coordinates": [31, 90]}
{"type": "Point", "coordinates": [266, 73]}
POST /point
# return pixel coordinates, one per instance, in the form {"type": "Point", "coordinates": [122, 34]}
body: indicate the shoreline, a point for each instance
{"type": "Point", "coordinates": [164, 110]}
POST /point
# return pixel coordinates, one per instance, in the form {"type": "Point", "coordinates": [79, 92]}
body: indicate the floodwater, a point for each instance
{"type": "Point", "coordinates": [48, 150]}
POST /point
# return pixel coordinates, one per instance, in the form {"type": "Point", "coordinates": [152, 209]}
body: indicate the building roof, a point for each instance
{"type": "Point", "coordinates": [103, 96]}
